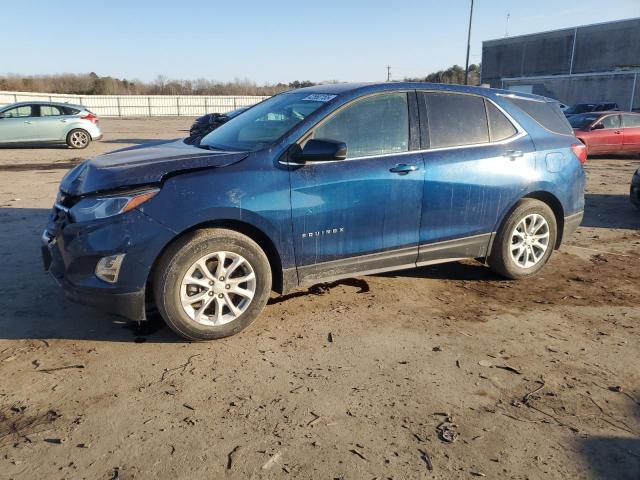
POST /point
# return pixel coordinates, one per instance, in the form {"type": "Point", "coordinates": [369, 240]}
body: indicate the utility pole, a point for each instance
{"type": "Point", "coordinates": [388, 73]}
{"type": "Point", "coordinates": [466, 68]}
{"type": "Point", "coordinates": [506, 29]}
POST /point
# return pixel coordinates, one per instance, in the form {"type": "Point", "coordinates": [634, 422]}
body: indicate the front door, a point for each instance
{"type": "Point", "coordinates": [608, 137]}
{"type": "Point", "coordinates": [360, 214]}
{"type": "Point", "coordinates": [16, 124]}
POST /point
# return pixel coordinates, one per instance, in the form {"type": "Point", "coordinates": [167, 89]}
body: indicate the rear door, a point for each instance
{"type": "Point", "coordinates": [476, 164]}
{"type": "Point", "coordinates": [17, 124]}
{"type": "Point", "coordinates": [608, 138]}
{"type": "Point", "coordinates": [50, 124]}
{"type": "Point", "coordinates": [360, 214]}
{"type": "Point", "coordinates": [631, 133]}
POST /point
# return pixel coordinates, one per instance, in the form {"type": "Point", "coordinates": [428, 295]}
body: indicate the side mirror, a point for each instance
{"type": "Point", "coordinates": [597, 126]}
{"type": "Point", "coordinates": [318, 150]}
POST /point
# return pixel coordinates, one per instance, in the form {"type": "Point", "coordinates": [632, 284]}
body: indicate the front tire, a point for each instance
{"type": "Point", "coordinates": [211, 284]}
{"type": "Point", "coordinates": [78, 138]}
{"type": "Point", "coordinates": [525, 240]}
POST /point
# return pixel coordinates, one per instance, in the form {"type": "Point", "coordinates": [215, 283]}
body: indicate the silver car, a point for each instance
{"type": "Point", "coordinates": [48, 122]}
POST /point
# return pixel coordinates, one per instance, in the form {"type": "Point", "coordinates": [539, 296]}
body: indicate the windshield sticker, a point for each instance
{"type": "Point", "coordinates": [319, 97]}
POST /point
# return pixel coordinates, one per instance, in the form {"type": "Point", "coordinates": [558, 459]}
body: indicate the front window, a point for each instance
{"type": "Point", "coordinates": [612, 121]}
{"type": "Point", "coordinates": [376, 125]}
{"type": "Point", "coordinates": [265, 123]}
{"type": "Point", "coordinates": [22, 111]}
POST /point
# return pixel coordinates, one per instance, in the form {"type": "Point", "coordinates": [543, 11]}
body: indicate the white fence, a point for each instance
{"type": "Point", "coordinates": [140, 105]}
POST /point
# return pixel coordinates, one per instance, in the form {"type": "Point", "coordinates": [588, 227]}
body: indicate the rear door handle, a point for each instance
{"type": "Point", "coordinates": [403, 168]}
{"type": "Point", "coordinates": [27, 121]}
{"type": "Point", "coordinates": [63, 120]}
{"type": "Point", "coordinates": [617, 132]}
{"type": "Point", "coordinates": [513, 154]}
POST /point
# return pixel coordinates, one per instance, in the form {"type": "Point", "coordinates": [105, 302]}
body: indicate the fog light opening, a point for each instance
{"type": "Point", "coordinates": [108, 268]}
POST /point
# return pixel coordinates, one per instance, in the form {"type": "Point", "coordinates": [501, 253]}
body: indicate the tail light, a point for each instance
{"type": "Point", "coordinates": [580, 151]}
{"type": "Point", "coordinates": [91, 117]}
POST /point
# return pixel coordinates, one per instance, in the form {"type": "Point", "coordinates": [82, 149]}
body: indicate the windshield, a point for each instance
{"type": "Point", "coordinates": [265, 123]}
{"type": "Point", "coordinates": [582, 121]}
{"type": "Point", "coordinates": [580, 108]}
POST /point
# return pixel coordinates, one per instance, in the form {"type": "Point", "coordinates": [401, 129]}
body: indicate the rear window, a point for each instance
{"type": "Point", "coordinates": [631, 121]}
{"type": "Point", "coordinates": [547, 114]}
{"type": "Point", "coordinates": [456, 119]}
{"type": "Point", "coordinates": [50, 111]}
{"type": "Point", "coordinates": [582, 121]}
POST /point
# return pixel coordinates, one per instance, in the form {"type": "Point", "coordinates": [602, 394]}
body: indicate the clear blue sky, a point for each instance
{"type": "Point", "coordinates": [271, 41]}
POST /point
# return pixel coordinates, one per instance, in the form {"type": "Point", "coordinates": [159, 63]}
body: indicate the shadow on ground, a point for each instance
{"type": "Point", "coordinates": [610, 211]}
{"type": "Point", "coordinates": [134, 141]}
{"type": "Point", "coordinates": [35, 146]}
{"type": "Point", "coordinates": [612, 457]}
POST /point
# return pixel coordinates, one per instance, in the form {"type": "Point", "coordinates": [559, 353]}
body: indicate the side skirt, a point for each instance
{"type": "Point", "coordinates": [477, 246]}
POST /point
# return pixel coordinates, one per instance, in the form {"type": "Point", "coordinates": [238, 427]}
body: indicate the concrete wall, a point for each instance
{"type": "Point", "coordinates": [591, 48]}
{"type": "Point", "coordinates": [584, 88]}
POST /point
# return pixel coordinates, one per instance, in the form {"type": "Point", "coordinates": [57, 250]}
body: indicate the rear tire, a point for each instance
{"type": "Point", "coordinates": [525, 240]}
{"type": "Point", "coordinates": [204, 280]}
{"type": "Point", "coordinates": [78, 138]}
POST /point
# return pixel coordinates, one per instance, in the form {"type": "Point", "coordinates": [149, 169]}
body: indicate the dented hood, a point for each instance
{"type": "Point", "coordinates": [141, 166]}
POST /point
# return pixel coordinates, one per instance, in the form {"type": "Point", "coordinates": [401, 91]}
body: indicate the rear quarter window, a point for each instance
{"type": "Point", "coordinates": [500, 128]}
{"type": "Point", "coordinates": [547, 114]}
{"type": "Point", "coordinates": [70, 111]}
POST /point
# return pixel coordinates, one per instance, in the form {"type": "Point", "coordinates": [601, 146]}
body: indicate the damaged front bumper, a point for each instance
{"type": "Point", "coordinates": [71, 251]}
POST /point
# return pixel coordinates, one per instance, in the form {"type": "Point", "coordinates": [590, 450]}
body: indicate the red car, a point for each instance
{"type": "Point", "coordinates": [608, 132]}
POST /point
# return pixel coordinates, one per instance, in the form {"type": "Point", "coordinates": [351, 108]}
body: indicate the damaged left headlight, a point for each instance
{"type": "Point", "coordinates": [104, 206]}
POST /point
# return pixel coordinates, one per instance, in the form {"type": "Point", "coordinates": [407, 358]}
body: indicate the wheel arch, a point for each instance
{"type": "Point", "coordinates": [556, 206]}
{"type": "Point", "coordinates": [251, 231]}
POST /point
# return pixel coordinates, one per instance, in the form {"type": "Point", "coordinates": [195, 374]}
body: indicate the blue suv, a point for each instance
{"type": "Point", "coordinates": [314, 185]}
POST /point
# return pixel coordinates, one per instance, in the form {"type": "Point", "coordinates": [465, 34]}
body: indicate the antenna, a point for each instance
{"type": "Point", "coordinates": [388, 73]}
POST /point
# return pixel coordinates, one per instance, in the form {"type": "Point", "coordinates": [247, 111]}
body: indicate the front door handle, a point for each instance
{"type": "Point", "coordinates": [513, 154]}
{"type": "Point", "coordinates": [63, 120]}
{"type": "Point", "coordinates": [403, 168]}
{"type": "Point", "coordinates": [27, 121]}
{"type": "Point", "coordinates": [617, 132]}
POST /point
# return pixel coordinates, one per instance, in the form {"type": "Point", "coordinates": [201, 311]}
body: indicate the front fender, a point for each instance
{"type": "Point", "coordinates": [219, 195]}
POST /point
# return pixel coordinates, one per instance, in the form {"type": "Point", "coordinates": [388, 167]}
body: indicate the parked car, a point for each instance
{"type": "Point", "coordinates": [48, 122]}
{"type": "Point", "coordinates": [590, 107]}
{"type": "Point", "coordinates": [634, 191]}
{"type": "Point", "coordinates": [608, 132]}
{"type": "Point", "coordinates": [314, 185]}
{"type": "Point", "coordinates": [209, 122]}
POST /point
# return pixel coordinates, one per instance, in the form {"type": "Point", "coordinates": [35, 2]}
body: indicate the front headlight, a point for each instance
{"type": "Point", "coordinates": [93, 208]}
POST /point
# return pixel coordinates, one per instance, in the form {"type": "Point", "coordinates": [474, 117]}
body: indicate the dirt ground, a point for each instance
{"type": "Point", "coordinates": [355, 379]}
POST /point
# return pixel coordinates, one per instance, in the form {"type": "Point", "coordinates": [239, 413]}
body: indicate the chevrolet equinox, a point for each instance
{"type": "Point", "coordinates": [313, 185]}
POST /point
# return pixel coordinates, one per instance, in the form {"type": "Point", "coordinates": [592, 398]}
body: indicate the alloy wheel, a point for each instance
{"type": "Point", "coordinates": [218, 288]}
{"type": "Point", "coordinates": [529, 240]}
{"type": "Point", "coordinates": [79, 139]}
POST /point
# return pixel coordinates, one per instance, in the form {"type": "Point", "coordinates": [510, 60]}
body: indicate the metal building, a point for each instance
{"type": "Point", "coordinates": [592, 63]}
